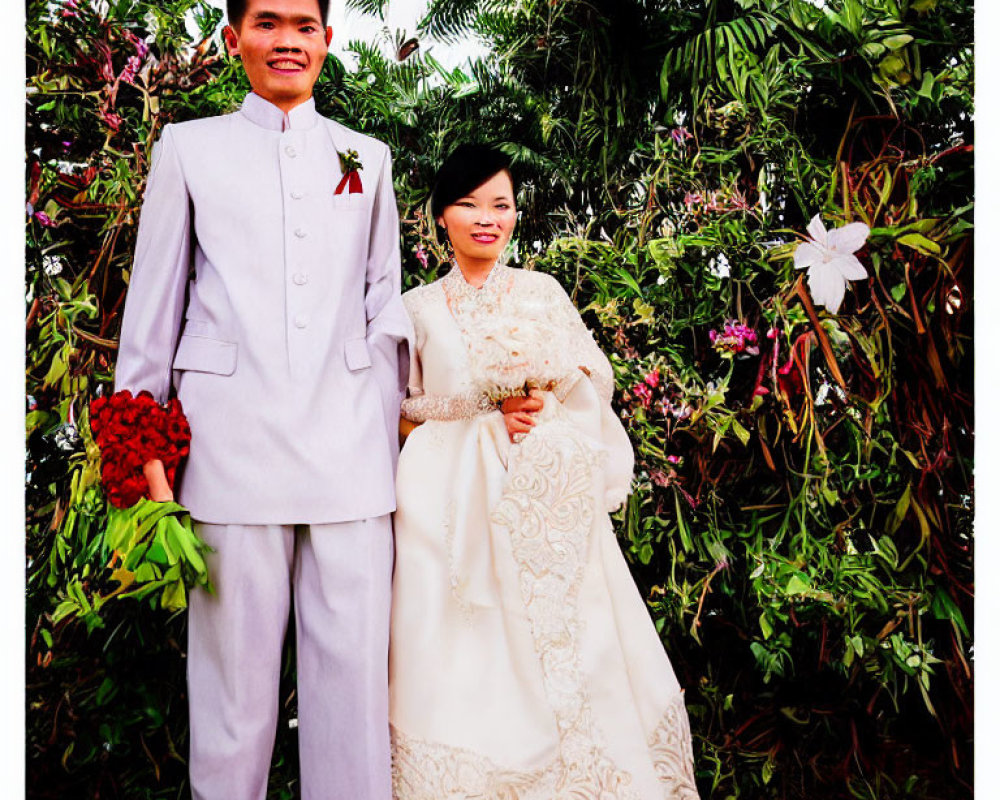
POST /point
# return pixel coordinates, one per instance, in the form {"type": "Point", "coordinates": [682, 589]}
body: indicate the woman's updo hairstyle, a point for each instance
{"type": "Point", "coordinates": [467, 168]}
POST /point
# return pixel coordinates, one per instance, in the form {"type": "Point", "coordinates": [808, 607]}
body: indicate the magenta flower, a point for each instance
{"type": "Point", "coordinates": [735, 338]}
{"type": "Point", "coordinates": [71, 9]}
{"type": "Point", "coordinates": [680, 135]}
{"type": "Point", "coordinates": [112, 120]}
{"type": "Point", "coordinates": [421, 254]}
{"type": "Point", "coordinates": [131, 69]}
{"type": "Point", "coordinates": [653, 379]}
{"type": "Point", "coordinates": [643, 393]}
{"type": "Point", "coordinates": [141, 48]}
{"type": "Point", "coordinates": [44, 220]}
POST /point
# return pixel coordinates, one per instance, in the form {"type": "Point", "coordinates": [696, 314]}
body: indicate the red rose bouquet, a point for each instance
{"type": "Point", "coordinates": [131, 431]}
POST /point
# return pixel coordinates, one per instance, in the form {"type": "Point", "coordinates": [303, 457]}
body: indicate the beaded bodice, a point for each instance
{"type": "Point", "coordinates": [516, 332]}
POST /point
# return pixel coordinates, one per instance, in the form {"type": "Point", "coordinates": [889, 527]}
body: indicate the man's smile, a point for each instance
{"type": "Point", "coordinates": [285, 64]}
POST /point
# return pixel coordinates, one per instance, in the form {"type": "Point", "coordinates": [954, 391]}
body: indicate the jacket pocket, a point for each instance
{"type": "Point", "coordinates": [201, 354]}
{"type": "Point", "coordinates": [347, 203]}
{"type": "Point", "coordinates": [356, 354]}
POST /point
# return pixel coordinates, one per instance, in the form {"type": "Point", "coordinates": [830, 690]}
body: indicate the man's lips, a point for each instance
{"type": "Point", "coordinates": [286, 65]}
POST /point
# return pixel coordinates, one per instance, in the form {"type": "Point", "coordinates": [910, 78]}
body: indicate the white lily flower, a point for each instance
{"type": "Point", "coordinates": [829, 255]}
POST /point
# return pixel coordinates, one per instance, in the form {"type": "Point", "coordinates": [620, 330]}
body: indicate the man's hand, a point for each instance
{"type": "Point", "coordinates": [405, 429]}
{"type": "Point", "coordinates": [156, 477]}
{"type": "Point", "coordinates": [518, 413]}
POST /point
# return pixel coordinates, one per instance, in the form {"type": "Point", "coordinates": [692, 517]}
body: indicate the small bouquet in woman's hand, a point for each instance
{"type": "Point", "coordinates": [518, 354]}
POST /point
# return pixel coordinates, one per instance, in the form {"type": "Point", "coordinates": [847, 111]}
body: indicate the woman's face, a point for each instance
{"type": "Point", "coordinates": [480, 224]}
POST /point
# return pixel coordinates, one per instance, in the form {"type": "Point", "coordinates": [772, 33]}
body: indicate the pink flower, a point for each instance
{"type": "Point", "coordinates": [692, 199]}
{"type": "Point", "coordinates": [661, 478]}
{"type": "Point", "coordinates": [680, 135]}
{"type": "Point", "coordinates": [44, 220]}
{"type": "Point", "coordinates": [112, 120]}
{"type": "Point", "coordinates": [643, 393]}
{"type": "Point", "coordinates": [674, 459]}
{"type": "Point", "coordinates": [70, 9]}
{"type": "Point", "coordinates": [739, 201]}
{"type": "Point", "coordinates": [735, 338]}
{"type": "Point", "coordinates": [131, 68]}
{"type": "Point", "coordinates": [141, 48]}
{"type": "Point", "coordinates": [421, 254]}
{"type": "Point", "coordinates": [653, 379]}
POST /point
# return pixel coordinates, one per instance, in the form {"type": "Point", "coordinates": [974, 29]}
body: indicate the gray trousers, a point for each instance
{"type": "Point", "coordinates": [340, 578]}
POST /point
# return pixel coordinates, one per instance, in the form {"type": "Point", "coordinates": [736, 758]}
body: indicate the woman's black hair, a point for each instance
{"type": "Point", "coordinates": [467, 168]}
{"type": "Point", "coordinates": [235, 9]}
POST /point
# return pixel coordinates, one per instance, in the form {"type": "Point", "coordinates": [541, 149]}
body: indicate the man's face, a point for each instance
{"type": "Point", "coordinates": [282, 44]}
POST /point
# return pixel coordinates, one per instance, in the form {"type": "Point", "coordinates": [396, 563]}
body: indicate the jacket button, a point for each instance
{"type": "Point", "coordinates": [291, 151]}
{"type": "Point", "coordinates": [301, 320]}
{"type": "Point", "coordinates": [300, 279]}
{"type": "Point", "coordinates": [300, 232]}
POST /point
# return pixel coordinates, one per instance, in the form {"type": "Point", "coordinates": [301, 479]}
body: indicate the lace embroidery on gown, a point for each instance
{"type": "Point", "coordinates": [550, 508]}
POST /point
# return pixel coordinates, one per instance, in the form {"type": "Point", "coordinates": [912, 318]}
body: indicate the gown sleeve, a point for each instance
{"type": "Point", "coordinates": [581, 351]}
{"type": "Point", "coordinates": [418, 406]}
{"type": "Point", "coordinates": [588, 403]}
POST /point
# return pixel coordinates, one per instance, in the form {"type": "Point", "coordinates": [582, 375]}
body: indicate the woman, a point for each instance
{"type": "Point", "coordinates": [523, 662]}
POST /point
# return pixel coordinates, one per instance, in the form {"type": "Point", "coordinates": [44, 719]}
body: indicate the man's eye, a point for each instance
{"type": "Point", "coordinates": [265, 25]}
{"type": "Point", "coordinates": [308, 29]}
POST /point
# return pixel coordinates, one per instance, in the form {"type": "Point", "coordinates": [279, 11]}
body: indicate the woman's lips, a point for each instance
{"type": "Point", "coordinates": [485, 238]}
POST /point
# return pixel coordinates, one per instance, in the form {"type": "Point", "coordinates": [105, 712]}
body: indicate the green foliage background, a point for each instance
{"type": "Point", "coordinates": [802, 520]}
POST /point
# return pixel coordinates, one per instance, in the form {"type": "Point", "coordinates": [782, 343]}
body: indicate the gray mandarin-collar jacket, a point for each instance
{"type": "Point", "coordinates": [273, 306]}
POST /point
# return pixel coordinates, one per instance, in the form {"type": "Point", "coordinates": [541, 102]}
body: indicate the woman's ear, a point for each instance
{"type": "Point", "coordinates": [232, 41]}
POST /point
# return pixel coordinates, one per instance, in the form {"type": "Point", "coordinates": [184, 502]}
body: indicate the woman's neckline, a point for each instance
{"type": "Point", "coordinates": [458, 278]}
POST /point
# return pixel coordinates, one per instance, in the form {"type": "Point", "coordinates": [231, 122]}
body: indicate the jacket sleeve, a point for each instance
{"type": "Point", "coordinates": [154, 305]}
{"type": "Point", "coordinates": [389, 332]}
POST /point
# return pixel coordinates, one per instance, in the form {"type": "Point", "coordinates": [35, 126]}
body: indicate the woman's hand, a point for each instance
{"type": "Point", "coordinates": [518, 413]}
{"type": "Point", "coordinates": [156, 477]}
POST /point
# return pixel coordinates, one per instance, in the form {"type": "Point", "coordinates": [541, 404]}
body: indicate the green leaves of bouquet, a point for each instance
{"type": "Point", "coordinates": [153, 553]}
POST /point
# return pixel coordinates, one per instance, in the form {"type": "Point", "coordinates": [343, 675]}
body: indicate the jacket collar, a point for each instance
{"type": "Point", "coordinates": [267, 115]}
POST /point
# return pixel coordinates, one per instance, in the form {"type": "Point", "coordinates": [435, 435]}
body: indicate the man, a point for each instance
{"type": "Point", "coordinates": [265, 289]}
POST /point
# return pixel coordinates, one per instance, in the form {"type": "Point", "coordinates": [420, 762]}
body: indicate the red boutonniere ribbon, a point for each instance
{"type": "Point", "coordinates": [350, 165]}
{"type": "Point", "coordinates": [131, 431]}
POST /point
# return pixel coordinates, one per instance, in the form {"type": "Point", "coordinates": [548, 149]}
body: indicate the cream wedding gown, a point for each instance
{"type": "Point", "coordinates": [523, 662]}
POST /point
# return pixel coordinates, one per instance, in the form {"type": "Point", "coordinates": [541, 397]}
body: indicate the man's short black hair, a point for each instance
{"type": "Point", "coordinates": [235, 9]}
{"type": "Point", "coordinates": [467, 168]}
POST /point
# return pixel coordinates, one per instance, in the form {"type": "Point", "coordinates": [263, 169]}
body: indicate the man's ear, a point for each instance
{"type": "Point", "coordinates": [329, 35]}
{"type": "Point", "coordinates": [232, 41]}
